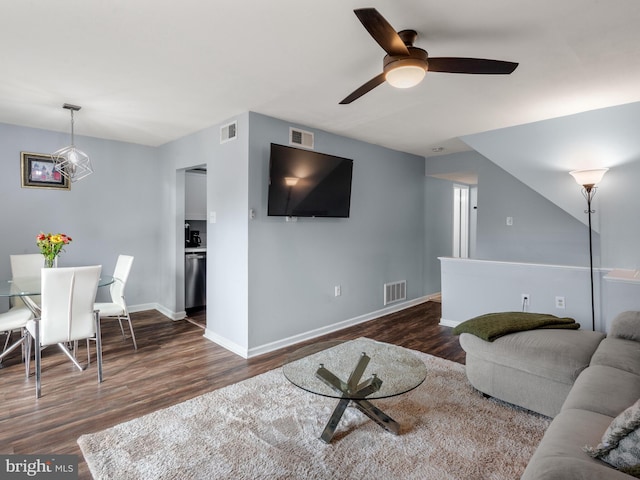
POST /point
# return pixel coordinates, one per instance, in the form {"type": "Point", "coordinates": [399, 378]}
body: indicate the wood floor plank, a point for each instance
{"type": "Point", "coordinates": [173, 363]}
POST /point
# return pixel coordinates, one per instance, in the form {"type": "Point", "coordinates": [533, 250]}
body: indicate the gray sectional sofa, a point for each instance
{"type": "Point", "coordinates": [580, 378]}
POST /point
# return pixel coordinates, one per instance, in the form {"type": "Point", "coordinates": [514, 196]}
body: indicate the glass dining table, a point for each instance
{"type": "Point", "coordinates": [27, 287]}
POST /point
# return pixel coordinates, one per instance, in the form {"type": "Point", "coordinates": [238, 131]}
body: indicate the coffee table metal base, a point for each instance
{"type": "Point", "coordinates": [355, 392]}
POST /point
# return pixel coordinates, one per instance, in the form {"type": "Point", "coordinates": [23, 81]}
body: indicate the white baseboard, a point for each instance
{"type": "Point", "coordinates": [285, 342]}
{"type": "Point", "coordinates": [449, 323]}
{"type": "Point", "coordinates": [143, 307]}
{"type": "Point", "coordinates": [225, 343]}
{"type": "Point", "coordinates": [160, 308]}
{"type": "Point", "coordinates": [173, 315]}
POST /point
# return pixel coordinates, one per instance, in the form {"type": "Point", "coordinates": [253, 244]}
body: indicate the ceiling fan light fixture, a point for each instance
{"type": "Point", "coordinates": [405, 72]}
{"type": "Point", "coordinates": [405, 77]}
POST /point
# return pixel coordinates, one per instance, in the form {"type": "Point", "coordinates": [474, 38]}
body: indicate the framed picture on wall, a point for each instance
{"type": "Point", "coordinates": [37, 171]}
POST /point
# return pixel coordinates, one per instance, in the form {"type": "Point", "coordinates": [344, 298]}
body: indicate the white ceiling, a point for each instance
{"type": "Point", "coordinates": [151, 71]}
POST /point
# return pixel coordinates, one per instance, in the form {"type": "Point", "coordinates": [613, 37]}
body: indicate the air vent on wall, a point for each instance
{"type": "Point", "coordinates": [300, 138]}
{"type": "Point", "coordinates": [395, 292]}
{"type": "Point", "coordinates": [228, 132]}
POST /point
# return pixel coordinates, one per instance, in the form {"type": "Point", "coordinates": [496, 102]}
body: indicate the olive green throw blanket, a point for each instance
{"type": "Point", "coordinates": [495, 325]}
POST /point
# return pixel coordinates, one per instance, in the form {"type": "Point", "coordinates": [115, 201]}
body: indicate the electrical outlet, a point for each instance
{"type": "Point", "coordinates": [337, 290]}
{"type": "Point", "coordinates": [526, 300]}
{"type": "Point", "coordinates": [560, 303]}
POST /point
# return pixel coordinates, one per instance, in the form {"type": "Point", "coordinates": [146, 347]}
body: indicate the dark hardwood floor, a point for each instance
{"type": "Point", "coordinates": [173, 363]}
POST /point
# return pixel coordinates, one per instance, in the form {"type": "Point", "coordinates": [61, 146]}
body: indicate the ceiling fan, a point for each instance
{"type": "Point", "coordinates": [405, 66]}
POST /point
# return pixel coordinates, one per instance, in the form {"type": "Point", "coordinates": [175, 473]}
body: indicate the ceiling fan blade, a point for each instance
{"type": "Point", "coordinates": [367, 87]}
{"type": "Point", "coordinates": [471, 65]}
{"type": "Point", "coordinates": [381, 31]}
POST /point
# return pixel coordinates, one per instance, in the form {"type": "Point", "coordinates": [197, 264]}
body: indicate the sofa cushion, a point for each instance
{"type": "Point", "coordinates": [560, 456]}
{"type": "Point", "coordinates": [603, 389]}
{"type": "Point", "coordinates": [533, 392]}
{"type": "Point", "coordinates": [626, 325]}
{"type": "Point", "coordinates": [618, 353]}
{"type": "Point", "coordinates": [556, 354]}
{"type": "Point", "coordinates": [620, 444]}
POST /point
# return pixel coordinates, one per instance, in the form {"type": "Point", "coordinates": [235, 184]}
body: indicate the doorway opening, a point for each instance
{"type": "Point", "coordinates": [460, 221]}
{"type": "Point", "coordinates": [191, 245]}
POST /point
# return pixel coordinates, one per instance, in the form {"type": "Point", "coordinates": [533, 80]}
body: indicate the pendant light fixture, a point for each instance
{"type": "Point", "coordinates": [70, 161]}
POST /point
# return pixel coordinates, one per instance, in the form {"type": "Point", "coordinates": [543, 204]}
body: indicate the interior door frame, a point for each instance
{"type": "Point", "coordinates": [461, 203]}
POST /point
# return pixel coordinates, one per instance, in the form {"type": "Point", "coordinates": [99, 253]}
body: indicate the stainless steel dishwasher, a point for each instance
{"type": "Point", "coordinates": [195, 280]}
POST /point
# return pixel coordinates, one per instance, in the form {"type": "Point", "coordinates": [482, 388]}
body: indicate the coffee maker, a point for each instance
{"type": "Point", "coordinates": [195, 239]}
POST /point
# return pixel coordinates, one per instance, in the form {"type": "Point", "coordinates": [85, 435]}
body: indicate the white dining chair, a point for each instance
{"type": "Point", "coordinates": [26, 265]}
{"type": "Point", "coordinates": [15, 319]}
{"type": "Point", "coordinates": [67, 315]}
{"type": "Point", "coordinates": [117, 308]}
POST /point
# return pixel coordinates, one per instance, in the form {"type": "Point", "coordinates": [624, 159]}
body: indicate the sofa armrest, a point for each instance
{"type": "Point", "coordinates": [627, 326]}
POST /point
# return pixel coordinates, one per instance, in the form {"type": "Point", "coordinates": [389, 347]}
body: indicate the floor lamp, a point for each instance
{"type": "Point", "coordinates": [588, 179]}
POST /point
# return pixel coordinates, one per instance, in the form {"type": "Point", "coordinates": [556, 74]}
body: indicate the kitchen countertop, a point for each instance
{"type": "Point", "coordinates": [195, 250]}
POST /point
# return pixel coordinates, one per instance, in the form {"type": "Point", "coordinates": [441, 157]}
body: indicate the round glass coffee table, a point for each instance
{"type": "Point", "coordinates": [336, 369]}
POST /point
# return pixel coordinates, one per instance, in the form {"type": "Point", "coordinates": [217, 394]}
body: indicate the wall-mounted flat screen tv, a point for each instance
{"type": "Point", "coordinates": [304, 183]}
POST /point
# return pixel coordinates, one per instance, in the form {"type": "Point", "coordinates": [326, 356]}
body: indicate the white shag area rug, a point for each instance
{"type": "Point", "coordinates": [267, 428]}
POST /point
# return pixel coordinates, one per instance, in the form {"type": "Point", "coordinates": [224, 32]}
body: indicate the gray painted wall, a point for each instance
{"type": "Point", "coordinates": [438, 229]}
{"type": "Point", "coordinates": [619, 220]}
{"type": "Point", "coordinates": [111, 212]}
{"type": "Point", "coordinates": [264, 272]}
{"type": "Point", "coordinates": [542, 153]}
{"type": "Point", "coordinates": [293, 267]}
{"type": "Point", "coordinates": [476, 287]}
{"type": "Point", "coordinates": [227, 247]}
{"type": "Point", "coordinates": [541, 233]}
{"type": "Point", "coordinates": [526, 257]}
{"type": "Point", "coordinates": [174, 158]}
{"type": "Point", "coordinates": [269, 280]}
{"type": "Point", "coordinates": [620, 295]}
{"type": "Point", "coordinates": [228, 267]}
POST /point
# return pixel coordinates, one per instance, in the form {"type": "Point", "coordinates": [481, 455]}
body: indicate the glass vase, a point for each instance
{"type": "Point", "coordinates": [50, 262]}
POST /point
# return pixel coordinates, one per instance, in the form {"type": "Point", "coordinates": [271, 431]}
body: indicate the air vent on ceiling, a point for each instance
{"type": "Point", "coordinates": [300, 138]}
{"type": "Point", "coordinates": [395, 292]}
{"type": "Point", "coordinates": [228, 132]}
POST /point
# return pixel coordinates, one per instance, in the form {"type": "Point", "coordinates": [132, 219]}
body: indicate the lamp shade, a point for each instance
{"type": "Point", "coordinates": [405, 77]}
{"type": "Point", "coordinates": [291, 181]}
{"type": "Point", "coordinates": [588, 177]}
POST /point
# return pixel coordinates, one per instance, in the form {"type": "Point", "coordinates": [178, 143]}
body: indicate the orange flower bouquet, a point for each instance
{"type": "Point", "coordinates": [51, 244]}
